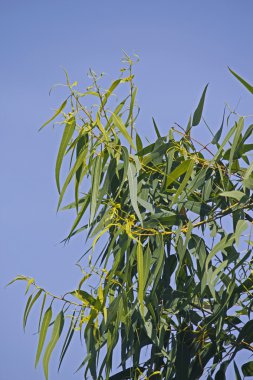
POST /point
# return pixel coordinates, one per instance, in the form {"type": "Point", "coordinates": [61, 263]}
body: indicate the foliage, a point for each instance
{"type": "Point", "coordinates": [172, 286]}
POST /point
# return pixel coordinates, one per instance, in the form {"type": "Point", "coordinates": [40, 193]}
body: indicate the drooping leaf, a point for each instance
{"type": "Point", "coordinates": [63, 105]}
{"type": "Point", "coordinates": [43, 332]}
{"type": "Point", "coordinates": [96, 176]}
{"type": "Point", "coordinates": [56, 333]}
{"type": "Point", "coordinates": [140, 270]}
{"type": "Point", "coordinates": [67, 134]}
{"type": "Point", "coordinates": [132, 180]}
{"type": "Point", "coordinates": [30, 303]}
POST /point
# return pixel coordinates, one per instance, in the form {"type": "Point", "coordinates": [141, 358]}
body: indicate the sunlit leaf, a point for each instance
{"type": "Point", "coordinates": [63, 105]}
{"type": "Point", "coordinates": [56, 333]}
{"type": "Point", "coordinates": [43, 332]}
{"type": "Point", "coordinates": [198, 112]}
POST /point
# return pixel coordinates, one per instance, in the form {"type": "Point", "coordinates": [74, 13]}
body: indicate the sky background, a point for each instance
{"type": "Point", "coordinates": [182, 45]}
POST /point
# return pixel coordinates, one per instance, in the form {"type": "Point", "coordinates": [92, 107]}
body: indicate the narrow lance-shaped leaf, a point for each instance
{"type": "Point", "coordinates": [246, 84]}
{"type": "Point", "coordinates": [119, 123]}
{"type": "Point", "coordinates": [140, 271]}
{"type": "Point", "coordinates": [235, 194]}
{"type": "Point", "coordinates": [43, 332]}
{"type": "Point", "coordinates": [56, 114]}
{"type": "Point", "coordinates": [56, 333]}
{"type": "Point", "coordinates": [42, 309]}
{"type": "Point", "coordinates": [68, 338]}
{"type": "Point", "coordinates": [156, 128]}
{"type": "Point", "coordinates": [217, 136]}
{"type": "Point", "coordinates": [180, 169]}
{"type": "Point", "coordinates": [29, 306]}
{"type": "Point", "coordinates": [224, 142]}
{"type": "Point", "coordinates": [132, 180]}
{"type": "Point", "coordinates": [96, 175]}
{"type": "Point", "coordinates": [237, 372]}
{"type": "Point", "coordinates": [235, 142]}
{"type": "Point", "coordinates": [72, 172]}
{"type": "Point", "coordinates": [109, 92]}
{"type": "Point", "coordinates": [67, 134]}
{"type": "Point", "coordinates": [131, 108]}
{"type": "Point", "coordinates": [198, 112]}
{"type": "Point", "coordinates": [184, 182]}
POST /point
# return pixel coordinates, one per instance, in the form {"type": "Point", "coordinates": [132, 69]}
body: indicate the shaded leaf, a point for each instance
{"type": "Point", "coordinates": [247, 369]}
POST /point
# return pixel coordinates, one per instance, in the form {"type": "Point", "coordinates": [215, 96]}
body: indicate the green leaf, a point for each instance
{"type": "Point", "coordinates": [246, 84]}
{"type": "Point", "coordinates": [76, 166]}
{"type": "Point", "coordinates": [236, 141]}
{"type": "Point", "coordinates": [83, 296]}
{"type": "Point", "coordinates": [198, 112]}
{"type": "Point", "coordinates": [241, 226]}
{"type": "Point", "coordinates": [235, 194]}
{"type": "Point", "coordinates": [180, 169]}
{"type": "Point", "coordinates": [184, 182]}
{"type": "Point", "coordinates": [220, 246]}
{"type": "Point", "coordinates": [237, 372]}
{"type": "Point", "coordinates": [56, 114]}
{"type": "Point", "coordinates": [217, 136]}
{"type": "Point", "coordinates": [131, 108]}
{"type": "Point", "coordinates": [42, 309]}
{"type": "Point", "coordinates": [109, 92]}
{"type": "Point", "coordinates": [68, 338]}
{"type": "Point", "coordinates": [139, 145]}
{"type": "Point", "coordinates": [96, 176]}
{"type": "Point", "coordinates": [29, 306]}
{"type": "Point", "coordinates": [140, 270]}
{"type": "Point", "coordinates": [119, 123]}
{"type": "Point", "coordinates": [18, 278]}
{"type": "Point", "coordinates": [67, 134]}
{"type": "Point", "coordinates": [79, 215]}
{"type": "Point", "coordinates": [43, 332]}
{"type": "Point", "coordinates": [132, 180]}
{"type": "Point", "coordinates": [56, 333]}
{"type": "Point", "coordinates": [248, 171]}
{"type": "Point", "coordinates": [247, 369]}
{"type": "Point", "coordinates": [127, 373]}
{"type": "Point", "coordinates": [246, 333]}
{"type": "Point", "coordinates": [156, 128]}
{"type": "Point", "coordinates": [226, 139]}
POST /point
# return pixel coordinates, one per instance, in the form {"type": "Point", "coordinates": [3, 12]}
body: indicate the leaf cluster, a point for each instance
{"type": "Point", "coordinates": [173, 279]}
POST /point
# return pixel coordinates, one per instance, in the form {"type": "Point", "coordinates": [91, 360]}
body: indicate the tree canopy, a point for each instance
{"type": "Point", "coordinates": [167, 276]}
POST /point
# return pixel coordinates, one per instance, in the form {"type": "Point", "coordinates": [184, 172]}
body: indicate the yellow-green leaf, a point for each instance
{"type": "Point", "coordinates": [56, 333]}
{"type": "Point", "coordinates": [63, 105]}
{"type": "Point", "coordinates": [180, 169]}
{"type": "Point", "coordinates": [119, 123]}
{"type": "Point", "coordinates": [43, 332]}
{"type": "Point", "coordinates": [67, 134]}
{"type": "Point", "coordinates": [140, 270]}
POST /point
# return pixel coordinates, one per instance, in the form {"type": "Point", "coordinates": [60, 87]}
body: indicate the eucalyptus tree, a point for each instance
{"type": "Point", "coordinates": [171, 287]}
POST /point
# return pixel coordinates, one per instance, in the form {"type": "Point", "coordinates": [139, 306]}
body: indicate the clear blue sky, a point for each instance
{"type": "Point", "coordinates": [182, 46]}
